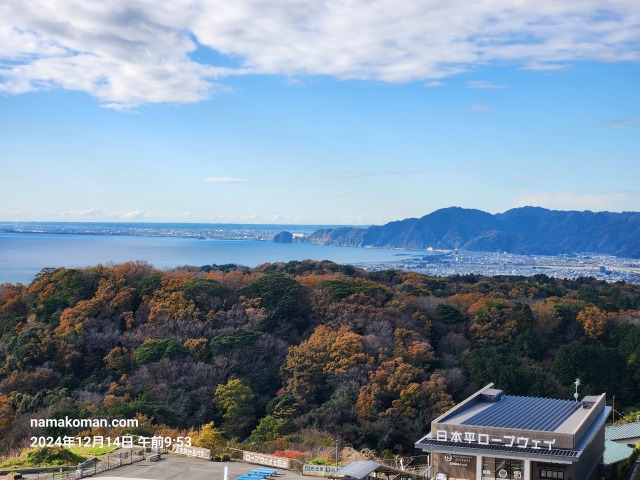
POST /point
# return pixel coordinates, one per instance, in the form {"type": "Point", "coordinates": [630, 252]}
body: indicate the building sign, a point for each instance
{"type": "Point", "coordinates": [318, 470]}
{"type": "Point", "coordinates": [453, 465]}
{"type": "Point", "coordinates": [269, 460]}
{"type": "Point", "coordinates": [192, 451]}
{"type": "Point", "coordinates": [459, 460]}
{"type": "Point", "coordinates": [486, 439]}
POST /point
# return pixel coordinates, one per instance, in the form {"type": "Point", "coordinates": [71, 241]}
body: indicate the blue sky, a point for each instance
{"type": "Point", "coordinates": [350, 111]}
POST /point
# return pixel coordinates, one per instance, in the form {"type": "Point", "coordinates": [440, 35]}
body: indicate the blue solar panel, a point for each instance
{"type": "Point", "coordinates": [359, 469]}
{"type": "Point", "coordinates": [525, 413]}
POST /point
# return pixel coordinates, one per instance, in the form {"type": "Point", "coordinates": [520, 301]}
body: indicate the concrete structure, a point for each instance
{"type": "Point", "coordinates": [493, 436]}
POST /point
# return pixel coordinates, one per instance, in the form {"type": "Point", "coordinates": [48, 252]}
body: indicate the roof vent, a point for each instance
{"type": "Point", "coordinates": [589, 401]}
{"type": "Point", "coordinates": [491, 395]}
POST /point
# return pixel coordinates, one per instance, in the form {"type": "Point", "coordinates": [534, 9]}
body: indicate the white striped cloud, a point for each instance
{"type": "Point", "coordinates": [128, 53]}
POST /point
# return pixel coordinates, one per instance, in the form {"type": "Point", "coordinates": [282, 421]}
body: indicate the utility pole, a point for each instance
{"type": "Point", "coordinates": [336, 440]}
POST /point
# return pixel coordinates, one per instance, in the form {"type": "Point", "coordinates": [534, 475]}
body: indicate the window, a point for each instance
{"type": "Point", "coordinates": [502, 468]}
{"type": "Point", "coordinates": [552, 473]}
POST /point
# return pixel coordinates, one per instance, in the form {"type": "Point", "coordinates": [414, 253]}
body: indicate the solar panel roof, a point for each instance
{"type": "Point", "coordinates": [525, 413]}
{"type": "Point", "coordinates": [359, 469]}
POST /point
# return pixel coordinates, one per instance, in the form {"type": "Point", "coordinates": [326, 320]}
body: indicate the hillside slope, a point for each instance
{"type": "Point", "coordinates": [526, 230]}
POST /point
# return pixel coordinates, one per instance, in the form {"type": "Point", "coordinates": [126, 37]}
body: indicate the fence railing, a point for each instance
{"type": "Point", "coordinates": [427, 473]}
{"type": "Point", "coordinates": [90, 467]}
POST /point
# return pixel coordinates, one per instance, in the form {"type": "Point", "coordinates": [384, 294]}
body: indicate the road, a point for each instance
{"type": "Point", "coordinates": [174, 467]}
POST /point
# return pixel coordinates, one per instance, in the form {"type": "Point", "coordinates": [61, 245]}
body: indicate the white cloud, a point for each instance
{"type": "Point", "coordinates": [135, 214]}
{"type": "Point", "coordinates": [223, 180]}
{"type": "Point", "coordinates": [128, 53]}
{"type": "Point", "coordinates": [628, 122]}
{"type": "Point", "coordinates": [354, 220]}
{"type": "Point", "coordinates": [484, 85]}
{"type": "Point", "coordinates": [544, 66]}
{"type": "Point", "coordinates": [76, 213]}
{"type": "Point", "coordinates": [572, 200]}
{"type": "Point", "coordinates": [349, 174]}
{"type": "Point", "coordinates": [479, 108]}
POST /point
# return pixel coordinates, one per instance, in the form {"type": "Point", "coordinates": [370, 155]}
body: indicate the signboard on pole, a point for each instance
{"type": "Point", "coordinates": [318, 470]}
{"type": "Point", "coordinates": [269, 460]}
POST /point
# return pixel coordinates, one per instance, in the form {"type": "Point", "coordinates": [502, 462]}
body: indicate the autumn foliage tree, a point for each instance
{"type": "Point", "coordinates": [494, 323]}
{"type": "Point", "coordinates": [593, 320]}
{"type": "Point", "coordinates": [295, 353]}
{"type": "Point", "coordinates": [308, 366]}
{"type": "Point", "coordinates": [210, 437]}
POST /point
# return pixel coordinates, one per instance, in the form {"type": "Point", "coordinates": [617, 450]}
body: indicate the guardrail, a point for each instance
{"type": "Point", "coordinates": [428, 473]}
{"type": "Point", "coordinates": [86, 469]}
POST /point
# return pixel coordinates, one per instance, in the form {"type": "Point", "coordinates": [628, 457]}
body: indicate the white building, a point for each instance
{"type": "Point", "coordinates": [492, 436]}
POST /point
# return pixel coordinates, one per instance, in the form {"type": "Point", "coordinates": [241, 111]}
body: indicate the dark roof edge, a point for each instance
{"type": "Point", "coordinates": [598, 404]}
{"type": "Point", "coordinates": [562, 455]}
{"type": "Point", "coordinates": [597, 424]}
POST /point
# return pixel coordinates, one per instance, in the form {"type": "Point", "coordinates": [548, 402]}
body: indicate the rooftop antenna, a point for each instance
{"type": "Point", "coordinates": [577, 384]}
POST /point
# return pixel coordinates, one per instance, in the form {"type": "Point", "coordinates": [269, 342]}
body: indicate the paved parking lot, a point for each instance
{"type": "Point", "coordinates": [174, 467]}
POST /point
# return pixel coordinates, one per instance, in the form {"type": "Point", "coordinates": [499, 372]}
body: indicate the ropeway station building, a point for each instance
{"type": "Point", "coordinates": [492, 436]}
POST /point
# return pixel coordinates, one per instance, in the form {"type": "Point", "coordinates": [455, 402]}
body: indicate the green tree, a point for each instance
{"type": "Point", "coordinates": [448, 314]}
{"type": "Point", "coordinates": [156, 348]}
{"type": "Point", "coordinates": [283, 406]}
{"type": "Point", "coordinates": [205, 293]}
{"type": "Point", "coordinates": [600, 369]}
{"type": "Point", "coordinates": [235, 401]}
{"type": "Point", "coordinates": [277, 293]}
{"type": "Point", "coordinates": [526, 344]}
{"type": "Point", "coordinates": [508, 371]}
{"type": "Point", "coordinates": [344, 287]}
{"type": "Point", "coordinates": [240, 338]}
{"type": "Point", "coordinates": [271, 427]}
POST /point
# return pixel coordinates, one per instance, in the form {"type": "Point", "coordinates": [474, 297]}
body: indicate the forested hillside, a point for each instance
{"type": "Point", "coordinates": [525, 230]}
{"type": "Point", "coordinates": [285, 353]}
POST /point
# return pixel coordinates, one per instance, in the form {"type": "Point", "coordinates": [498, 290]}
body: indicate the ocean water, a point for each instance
{"type": "Point", "coordinates": [23, 255]}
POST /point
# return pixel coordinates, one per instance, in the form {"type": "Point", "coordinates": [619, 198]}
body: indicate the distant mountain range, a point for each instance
{"type": "Point", "coordinates": [526, 230]}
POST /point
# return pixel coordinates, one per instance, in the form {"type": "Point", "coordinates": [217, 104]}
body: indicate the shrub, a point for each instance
{"type": "Point", "coordinates": [156, 348]}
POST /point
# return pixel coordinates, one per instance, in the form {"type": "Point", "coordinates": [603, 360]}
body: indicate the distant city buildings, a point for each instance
{"type": "Point", "coordinates": [432, 262]}
{"type": "Point", "coordinates": [601, 267]}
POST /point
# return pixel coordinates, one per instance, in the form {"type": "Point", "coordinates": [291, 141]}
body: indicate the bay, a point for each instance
{"type": "Point", "coordinates": [23, 255]}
